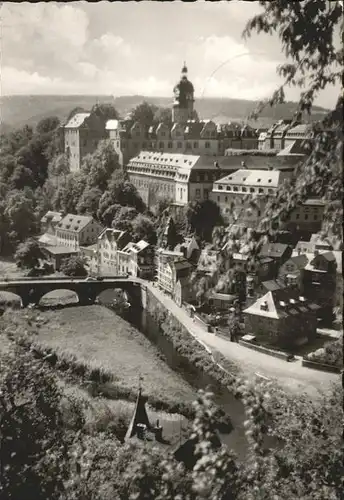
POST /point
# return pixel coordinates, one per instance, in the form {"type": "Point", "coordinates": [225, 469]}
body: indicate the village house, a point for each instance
{"type": "Point", "coordinates": [48, 227]}
{"type": "Point", "coordinates": [109, 242]}
{"type": "Point", "coordinates": [319, 282]}
{"type": "Point", "coordinates": [136, 259]}
{"type": "Point", "coordinates": [55, 255]}
{"type": "Point", "coordinates": [173, 272]}
{"type": "Point", "coordinates": [74, 231]}
{"type": "Point", "coordinates": [282, 317]}
{"type": "Point", "coordinates": [190, 249]}
{"type": "Point", "coordinates": [278, 253]}
{"type": "Point", "coordinates": [291, 271]}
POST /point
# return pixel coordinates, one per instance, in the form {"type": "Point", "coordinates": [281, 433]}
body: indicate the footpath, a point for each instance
{"type": "Point", "coordinates": [290, 375]}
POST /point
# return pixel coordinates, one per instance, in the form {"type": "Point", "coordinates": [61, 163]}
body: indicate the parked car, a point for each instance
{"type": "Point", "coordinates": [90, 278]}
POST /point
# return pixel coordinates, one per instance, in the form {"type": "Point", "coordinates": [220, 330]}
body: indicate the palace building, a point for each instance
{"type": "Point", "coordinates": [186, 135]}
{"type": "Point", "coordinates": [231, 194]}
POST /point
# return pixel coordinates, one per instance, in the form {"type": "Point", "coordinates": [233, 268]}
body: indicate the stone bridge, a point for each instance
{"type": "Point", "coordinates": [31, 291]}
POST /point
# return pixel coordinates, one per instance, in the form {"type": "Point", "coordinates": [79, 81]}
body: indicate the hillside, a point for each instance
{"type": "Point", "coordinates": [20, 110]}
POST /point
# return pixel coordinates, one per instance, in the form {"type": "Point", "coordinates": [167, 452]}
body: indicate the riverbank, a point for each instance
{"type": "Point", "coordinates": [98, 339]}
{"type": "Point", "coordinates": [292, 377]}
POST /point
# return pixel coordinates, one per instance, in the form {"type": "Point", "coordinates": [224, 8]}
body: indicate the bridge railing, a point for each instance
{"type": "Point", "coordinates": [60, 278]}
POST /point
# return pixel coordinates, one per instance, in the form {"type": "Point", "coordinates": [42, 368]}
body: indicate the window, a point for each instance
{"type": "Point", "coordinates": [188, 145]}
{"type": "Point", "coordinates": [218, 199]}
{"type": "Point", "coordinates": [207, 144]}
{"type": "Point", "coordinates": [195, 145]}
{"type": "Point", "coordinates": [235, 188]}
{"type": "Point", "coordinates": [252, 190]}
{"type": "Point", "coordinates": [261, 190]}
{"type": "Point", "coordinates": [297, 216]}
{"type": "Point", "coordinates": [198, 192]}
{"type": "Point", "coordinates": [306, 216]}
{"type": "Point", "coordinates": [163, 133]}
{"type": "Point", "coordinates": [161, 144]}
{"type": "Point", "coordinates": [270, 191]}
{"type": "Point", "coordinates": [229, 188]}
{"type": "Point", "coordinates": [315, 217]}
{"type": "Point", "coordinates": [226, 199]}
{"type": "Point", "coordinates": [170, 145]}
{"type": "Point", "coordinates": [244, 190]}
{"type": "Point", "coordinates": [201, 177]}
{"type": "Point", "coordinates": [179, 145]}
{"type": "Point", "coordinates": [220, 187]}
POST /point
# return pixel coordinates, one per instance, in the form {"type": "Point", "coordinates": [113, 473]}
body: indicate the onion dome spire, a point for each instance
{"type": "Point", "coordinates": [184, 70]}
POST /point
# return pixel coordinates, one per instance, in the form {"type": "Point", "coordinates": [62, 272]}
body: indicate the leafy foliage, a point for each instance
{"type": "Point", "coordinates": [33, 464]}
{"type": "Point", "coordinates": [74, 266]}
{"type": "Point", "coordinates": [308, 32]}
{"type": "Point", "coordinates": [28, 254]}
{"type": "Point", "coordinates": [144, 113]}
{"type": "Point", "coordinates": [330, 354]}
{"type": "Point", "coordinates": [203, 217]}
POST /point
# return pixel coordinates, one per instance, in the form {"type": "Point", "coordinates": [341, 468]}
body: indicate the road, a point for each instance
{"type": "Point", "coordinates": [290, 375]}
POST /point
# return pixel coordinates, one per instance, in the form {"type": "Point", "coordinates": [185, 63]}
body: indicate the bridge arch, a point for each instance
{"type": "Point", "coordinates": [10, 299]}
{"type": "Point", "coordinates": [58, 296]}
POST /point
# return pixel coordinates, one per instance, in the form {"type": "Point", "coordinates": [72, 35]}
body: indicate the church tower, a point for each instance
{"type": "Point", "coordinates": [183, 105]}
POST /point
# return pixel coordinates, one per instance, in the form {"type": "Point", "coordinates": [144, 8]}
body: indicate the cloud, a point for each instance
{"type": "Point", "coordinates": [112, 48]}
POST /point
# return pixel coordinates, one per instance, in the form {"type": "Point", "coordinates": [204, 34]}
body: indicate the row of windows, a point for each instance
{"type": "Point", "coordinates": [162, 145]}
{"type": "Point", "coordinates": [242, 189]}
{"type": "Point", "coordinates": [150, 171]}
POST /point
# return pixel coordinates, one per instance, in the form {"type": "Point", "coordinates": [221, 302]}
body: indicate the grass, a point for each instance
{"type": "Point", "coordinates": [93, 337]}
{"type": "Point", "coordinates": [109, 415]}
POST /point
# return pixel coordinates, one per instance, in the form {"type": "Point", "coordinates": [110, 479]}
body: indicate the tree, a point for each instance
{"type": "Point", "coordinates": [68, 194]}
{"type": "Point", "coordinates": [33, 464]}
{"type": "Point", "coordinates": [21, 177]}
{"type": "Point", "coordinates": [203, 217]}
{"type": "Point", "coordinates": [59, 166]}
{"type": "Point", "coordinates": [19, 212]}
{"type": "Point", "coordinates": [105, 112]}
{"type": "Point", "coordinates": [89, 201]}
{"type": "Point", "coordinates": [74, 266]}
{"type": "Point", "coordinates": [48, 124]}
{"type": "Point", "coordinates": [8, 164]}
{"type": "Point", "coordinates": [308, 33]}
{"type": "Point", "coordinates": [163, 115]}
{"type": "Point", "coordinates": [14, 141]}
{"type": "Point", "coordinates": [28, 254]}
{"type": "Point", "coordinates": [124, 218]}
{"type": "Point", "coordinates": [100, 165]}
{"type": "Point", "coordinates": [33, 157]}
{"type": "Point", "coordinates": [144, 113]}
{"type": "Point", "coordinates": [144, 229]}
{"type": "Point", "coordinates": [125, 193]}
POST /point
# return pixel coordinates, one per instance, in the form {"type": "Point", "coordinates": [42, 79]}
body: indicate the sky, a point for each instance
{"type": "Point", "coordinates": [138, 48]}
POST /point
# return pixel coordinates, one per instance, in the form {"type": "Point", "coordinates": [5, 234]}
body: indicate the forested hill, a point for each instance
{"type": "Point", "coordinates": [19, 110]}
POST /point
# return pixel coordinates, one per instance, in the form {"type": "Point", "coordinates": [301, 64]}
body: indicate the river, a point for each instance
{"type": "Point", "coordinates": [236, 440]}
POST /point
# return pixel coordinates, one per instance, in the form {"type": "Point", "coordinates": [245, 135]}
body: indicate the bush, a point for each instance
{"type": "Point", "coordinates": [74, 266]}
{"type": "Point", "coordinates": [331, 354]}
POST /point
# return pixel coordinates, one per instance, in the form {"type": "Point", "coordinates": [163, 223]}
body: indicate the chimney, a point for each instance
{"type": "Point", "coordinates": [264, 306]}
{"type": "Point", "coordinates": [302, 299]}
{"type": "Point", "coordinates": [243, 164]}
{"type": "Point", "coordinates": [216, 164]}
